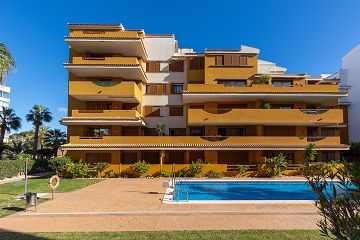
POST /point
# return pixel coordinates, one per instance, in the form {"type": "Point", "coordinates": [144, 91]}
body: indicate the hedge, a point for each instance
{"type": "Point", "coordinates": [11, 168]}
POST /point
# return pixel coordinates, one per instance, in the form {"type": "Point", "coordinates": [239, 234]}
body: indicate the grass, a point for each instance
{"type": "Point", "coordinates": [8, 191]}
{"type": "Point", "coordinates": [178, 235]}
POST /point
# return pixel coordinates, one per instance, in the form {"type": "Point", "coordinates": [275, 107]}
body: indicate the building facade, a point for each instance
{"type": "Point", "coordinates": [223, 106]}
{"type": "Point", "coordinates": [4, 100]}
{"type": "Point", "coordinates": [349, 76]}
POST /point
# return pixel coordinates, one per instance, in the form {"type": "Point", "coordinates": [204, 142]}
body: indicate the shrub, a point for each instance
{"type": "Point", "coordinates": [213, 174]}
{"type": "Point", "coordinates": [242, 169]}
{"type": "Point", "coordinates": [101, 167]}
{"type": "Point", "coordinates": [10, 168]}
{"type": "Point", "coordinates": [59, 164]}
{"type": "Point", "coordinates": [264, 79]}
{"type": "Point", "coordinates": [111, 174]}
{"type": "Point", "coordinates": [77, 170]}
{"type": "Point", "coordinates": [196, 168]}
{"type": "Point", "coordinates": [277, 163]}
{"type": "Point", "coordinates": [338, 201]}
{"type": "Point", "coordinates": [141, 167]}
{"type": "Point", "coordinates": [182, 172]}
{"type": "Point", "coordinates": [266, 106]}
{"type": "Point", "coordinates": [163, 173]}
{"type": "Point", "coordinates": [40, 165]}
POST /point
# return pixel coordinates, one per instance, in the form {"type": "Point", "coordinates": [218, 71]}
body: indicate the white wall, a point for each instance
{"type": "Point", "coordinates": [163, 49]}
{"type": "Point", "coordinates": [159, 48]}
{"type": "Point", "coordinates": [351, 66]}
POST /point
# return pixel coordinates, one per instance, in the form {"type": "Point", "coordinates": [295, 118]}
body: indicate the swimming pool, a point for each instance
{"type": "Point", "coordinates": [260, 190]}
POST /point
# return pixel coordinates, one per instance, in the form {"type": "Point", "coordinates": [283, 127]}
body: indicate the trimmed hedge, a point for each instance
{"type": "Point", "coordinates": [10, 168]}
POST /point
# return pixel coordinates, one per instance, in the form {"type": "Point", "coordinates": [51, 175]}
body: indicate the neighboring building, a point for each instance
{"type": "Point", "coordinates": [349, 76]}
{"type": "Point", "coordinates": [4, 100]}
{"type": "Point", "coordinates": [123, 82]}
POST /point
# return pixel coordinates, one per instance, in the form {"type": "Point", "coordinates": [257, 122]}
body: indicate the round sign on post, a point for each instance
{"type": "Point", "coordinates": [53, 187]}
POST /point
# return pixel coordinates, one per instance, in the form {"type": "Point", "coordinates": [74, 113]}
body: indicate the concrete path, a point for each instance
{"type": "Point", "coordinates": [135, 205]}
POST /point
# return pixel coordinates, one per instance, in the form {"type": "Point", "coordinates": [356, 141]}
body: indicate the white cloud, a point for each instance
{"type": "Point", "coordinates": [62, 109]}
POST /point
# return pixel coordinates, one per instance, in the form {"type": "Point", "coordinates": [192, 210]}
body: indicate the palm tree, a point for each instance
{"type": "Point", "coordinates": [54, 138]}
{"type": "Point", "coordinates": [8, 121]}
{"type": "Point", "coordinates": [160, 129]}
{"type": "Point", "coordinates": [7, 62]}
{"type": "Point", "coordinates": [38, 115]}
{"type": "Point", "coordinates": [42, 134]}
{"type": "Point", "coordinates": [17, 146]}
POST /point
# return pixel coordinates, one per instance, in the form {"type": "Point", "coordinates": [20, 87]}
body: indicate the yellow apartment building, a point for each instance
{"type": "Point", "coordinates": [223, 106]}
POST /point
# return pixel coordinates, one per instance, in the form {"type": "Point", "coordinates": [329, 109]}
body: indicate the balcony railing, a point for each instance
{"type": "Point", "coordinates": [106, 60]}
{"type": "Point", "coordinates": [224, 116]}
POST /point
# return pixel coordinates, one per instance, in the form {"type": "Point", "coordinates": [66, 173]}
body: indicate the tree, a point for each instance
{"type": "Point", "coordinates": [42, 134]}
{"type": "Point", "coordinates": [338, 201]}
{"type": "Point", "coordinates": [38, 115]}
{"type": "Point", "coordinates": [7, 62]}
{"type": "Point", "coordinates": [160, 129]}
{"type": "Point", "coordinates": [54, 138]}
{"type": "Point", "coordinates": [8, 121]}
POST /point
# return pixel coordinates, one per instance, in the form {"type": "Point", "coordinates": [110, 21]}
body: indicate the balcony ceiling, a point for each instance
{"type": "Point", "coordinates": [125, 99]}
{"type": "Point", "coordinates": [124, 71]}
{"type": "Point", "coordinates": [291, 97]}
{"type": "Point", "coordinates": [100, 122]}
{"type": "Point", "coordinates": [127, 47]}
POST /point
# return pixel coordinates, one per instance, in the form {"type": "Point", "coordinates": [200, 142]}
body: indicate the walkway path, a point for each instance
{"type": "Point", "coordinates": [134, 205]}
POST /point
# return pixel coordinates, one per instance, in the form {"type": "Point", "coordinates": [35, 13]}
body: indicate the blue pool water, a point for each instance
{"type": "Point", "coordinates": [243, 190]}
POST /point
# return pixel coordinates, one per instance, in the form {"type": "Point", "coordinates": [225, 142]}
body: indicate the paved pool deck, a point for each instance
{"type": "Point", "coordinates": [135, 205]}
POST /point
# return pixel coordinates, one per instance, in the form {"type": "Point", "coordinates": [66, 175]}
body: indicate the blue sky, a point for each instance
{"type": "Point", "coordinates": [306, 36]}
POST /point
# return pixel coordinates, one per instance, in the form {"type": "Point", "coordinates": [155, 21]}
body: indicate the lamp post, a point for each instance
{"type": "Point", "coordinates": [26, 169]}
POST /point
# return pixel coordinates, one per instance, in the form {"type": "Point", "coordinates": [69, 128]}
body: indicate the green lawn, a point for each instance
{"type": "Point", "coordinates": [183, 235]}
{"type": "Point", "coordinates": [8, 191]}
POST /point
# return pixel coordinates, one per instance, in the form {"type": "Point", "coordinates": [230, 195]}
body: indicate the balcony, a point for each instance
{"type": "Point", "coordinates": [201, 143]}
{"type": "Point", "coordinates": [219, 117]}
{"type": "Point", "coordinates": [129, 68]}
{"type": "Point", "coordinates": [104, 117]}
{"type": "Point", "coordinates": [123, 91]}
{"type": "Point", "coordinates": [296, 93]}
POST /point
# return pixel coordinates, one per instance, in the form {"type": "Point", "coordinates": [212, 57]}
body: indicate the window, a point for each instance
{"type": "Point", "coordinates": [282, 106]}
{"type": "Point", "coordinates": [147, 89]}
{"type": "Point", "coordinates": [153, 66]}
{"type": "Point", "coordinates": [150, 132]}
{"type": "Point", "coordinates": [230, 60]}
{"type": "Point", "coordinates": [160, 89]}
{"type": "Point", "coordinates": [176, 66]}
{"type": "Point", "coordinates": [327, 132]}
{"type": "Point", "coordinates": [177, 131]}
{"type": "Point", "coordinates": [196, 131]}
{"type": "Point", "coordinates": [151, 111]}
{"type": "Point", "coordinates": [176, 111]}
{"type": "Point", "coordinates": [232, 82]}
{"type": "Point", "coordinates": [98, 157]}
{"type": "Point", "coordinates": [277, 83]}
{"type": "Point", "coordinates": [98, 132]}
{"type": "Point", "coordinates": [176, 88]}
{"type": "Point", "coordinates": [197, 63]}
{"type": "Point", "coordinates": [328, 156]}
{"type": "Point", "coordinates": [231, 131]}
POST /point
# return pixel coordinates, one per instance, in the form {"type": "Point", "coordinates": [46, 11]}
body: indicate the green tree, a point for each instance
{"type": "Point", "coordinates": [54, 138]}
{"type": "Point", "coordinates": [7, 62]}
{"type": "Point", "coordinates": [160, 129]}
{"type": "Point", "coordinates": [338, 201]}
{"type": "Point", "coordinates": [8, 121]}
{"type": "Point", "coordinates": [38, 115]}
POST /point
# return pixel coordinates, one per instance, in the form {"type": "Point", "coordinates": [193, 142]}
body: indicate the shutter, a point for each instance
{"type": "Point", "coordinates": [153, 89]}
{"type": "Point", "coordinates": [147, 110]}
{"type": "Point", "coordinates": [160, 89]}
{"type": "Point", "coordinates": [157, 67]}
{"type": "Point", "coordinates": [176, 111]}
{"type": "Point", "coordinates": [168, 88]}
{"type": "Point", "coordinates": [219, 60]}
{"type": "Point", "coordinates": [176, 66]}
{"type": "Point", "coordinates": [235, 60]}
{"type": "Point", "coordinates": [227, 60]}
{"type": "Point", "coordinates": [243, 60]}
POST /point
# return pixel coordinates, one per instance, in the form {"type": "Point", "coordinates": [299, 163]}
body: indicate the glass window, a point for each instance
{"type": "Point", "coordinates": [276, 83]}
{"type": "Point", "coordinates": [232, 82]}
{"type": "Point", "coordinates": [196, 131]}
{"type": "Point", "coordinates": [99, 132]}
{"type": "Point", "coordinates": [176, 88]}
